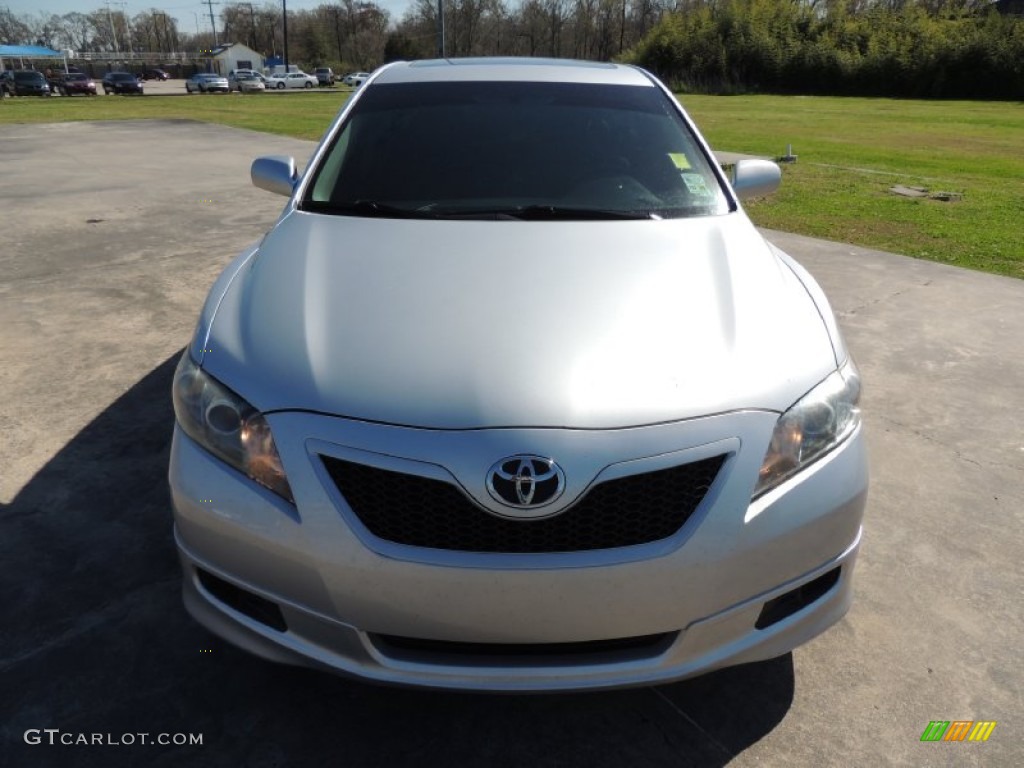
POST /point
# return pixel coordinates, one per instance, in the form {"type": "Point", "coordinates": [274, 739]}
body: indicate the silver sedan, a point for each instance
{"type": "Point", "coordinates": [292, 80]}
{"type": "Point", "coordinates": [514, 397]}
{"type": "Point", "coordinates": [207, 82]}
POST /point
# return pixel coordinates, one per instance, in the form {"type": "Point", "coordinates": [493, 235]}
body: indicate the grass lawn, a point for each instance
{"type": "Point", "coordinates": [851, 151]}
{"type": "Point", "coordinates": [302, 115]}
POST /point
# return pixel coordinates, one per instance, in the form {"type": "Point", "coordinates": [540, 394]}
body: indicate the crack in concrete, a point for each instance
{"type": "Point", "coordinates": [882, 299]}
{"type": "Point", "coordinates": [83, 624]}
{"type": "Point", "coordinates": [956, 451]}
{"type": "Point", "coordinates": [679, 711]}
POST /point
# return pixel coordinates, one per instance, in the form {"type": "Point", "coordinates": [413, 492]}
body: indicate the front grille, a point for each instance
{"type": "Point", "coordinates": [422, 512]}
{"type": "Point", "coordinates": [527, 654]}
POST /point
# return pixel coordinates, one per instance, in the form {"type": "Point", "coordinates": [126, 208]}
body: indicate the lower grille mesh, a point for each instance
{"type": "Point", "coordinates": [422, 512]}
{"type": "Point", "coordinates": [590, 651]}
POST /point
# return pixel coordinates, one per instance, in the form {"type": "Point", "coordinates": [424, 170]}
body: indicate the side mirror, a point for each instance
{"type": "Point", "coordinates": [755, 178]}
{"type": "Point", "coordinates": [275, 173]}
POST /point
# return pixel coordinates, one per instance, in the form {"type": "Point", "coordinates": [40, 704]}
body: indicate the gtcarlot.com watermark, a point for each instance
{"type": "Point", "coordinates": [55, 736]}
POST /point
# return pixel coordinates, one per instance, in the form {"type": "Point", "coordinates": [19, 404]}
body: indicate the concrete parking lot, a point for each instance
{"type": "Point", "coordinates": [105, 258]}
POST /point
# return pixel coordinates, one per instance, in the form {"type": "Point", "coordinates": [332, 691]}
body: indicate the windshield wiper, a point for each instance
{"type": "Point", "coordinates": [545, 213]}
{"type": "Point", "coordinates": [367, 208]}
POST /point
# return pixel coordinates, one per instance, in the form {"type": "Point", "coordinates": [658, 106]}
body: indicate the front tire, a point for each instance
{"type": "Point", "coordinates": [309, 84]}
{"type": "Point", "coordinates": [280, 86]}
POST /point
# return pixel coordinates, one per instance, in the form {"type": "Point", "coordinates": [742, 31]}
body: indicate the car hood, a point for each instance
{"type": "Point", "coordinates": [468, 324]}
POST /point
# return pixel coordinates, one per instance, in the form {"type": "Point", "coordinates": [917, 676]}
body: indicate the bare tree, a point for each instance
{"type": "Point", "coordinates": [154, 30]}
{"type": "Point", "coordinates": [15, 29]}
{"type": "Point", "coordinates": [79, 30]}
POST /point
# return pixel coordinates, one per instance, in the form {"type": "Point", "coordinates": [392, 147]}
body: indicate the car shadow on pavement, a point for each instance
{"type": "Point", "coordinates": [97, 643]}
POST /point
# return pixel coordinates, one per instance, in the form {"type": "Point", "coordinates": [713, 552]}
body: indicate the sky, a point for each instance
{"type": "Point", "coordinates": [183, 10]}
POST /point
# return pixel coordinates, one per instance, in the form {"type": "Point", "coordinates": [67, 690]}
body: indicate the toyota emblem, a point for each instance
{"type": "Point", "coordinates": [525, 481]}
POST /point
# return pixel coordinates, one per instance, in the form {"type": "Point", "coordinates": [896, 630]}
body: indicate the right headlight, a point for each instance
{"type": "Point", "coordinates": [814, 425]}
{"type": "Point", "coordinates": [227, 426]}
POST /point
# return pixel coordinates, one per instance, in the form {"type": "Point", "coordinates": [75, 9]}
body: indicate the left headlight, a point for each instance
{"type": "Point", "coordinates": [227, 426]}
{"type": "Point", "coordinates": [814, 425]}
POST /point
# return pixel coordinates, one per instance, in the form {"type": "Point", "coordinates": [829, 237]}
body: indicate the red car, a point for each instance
{"type": "Point", "coordinates": [77, 82]}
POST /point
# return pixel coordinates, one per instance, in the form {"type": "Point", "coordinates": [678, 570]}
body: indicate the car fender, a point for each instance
{"type": "Point", "coordinates": [817, 295]}
{"type": "Point", "coordinates": [200, 338]}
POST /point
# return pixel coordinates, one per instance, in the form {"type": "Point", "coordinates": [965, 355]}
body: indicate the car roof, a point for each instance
{"type": "Point", "coordinates": [496, 68]}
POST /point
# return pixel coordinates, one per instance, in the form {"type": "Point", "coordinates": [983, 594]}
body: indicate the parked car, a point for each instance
{"type": "Point", "coordinates": [207, 82]}
{"type": "Point", "coordinates": [291, 80]}
{"type": "Point", "coordinates": [514, 396]}
{"type": "Point", "coordinates": [54, 77]}
{"type": "Point", "coordinates": [324, 75]}
{"type": "Point", "coordinates": [155, 74]}
{"type": "Point", "coordinates": [235, 76]}
{"type": "Point", "coordinates": [246, 83]}
{"type": "Point", "coordinates": [355, 79]}
{"type": "Point", "coordinates": [24, 82]}
{"type": "Point", "coordinates": [77, 82]}
{"type": "Point", "coordinates": [121, 83]}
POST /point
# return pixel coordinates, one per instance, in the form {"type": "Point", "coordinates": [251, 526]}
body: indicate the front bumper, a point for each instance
{"type": "Point", "coordinates": [730, 587]}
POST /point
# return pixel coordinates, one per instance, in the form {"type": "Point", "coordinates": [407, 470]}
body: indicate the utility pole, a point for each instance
{"type": "Point", "coordinates": [337, 30]}
{"type": "Point", "coordinates": [210, 4]}
{"type": "Point", "coordinates": [127, 25]}
{"type": "Point", "coordinates": [113, 30]}
{"type": "Point", "coordinates": [440, 29]}
{"type": "Point", "coordinates": [160, 44]}
{"type": "Point", "coordinates": [252, 24]}
{"type": "Point", "coordinates": [284, 10]}
{"type": "Point", "coordinates": [164, 41]}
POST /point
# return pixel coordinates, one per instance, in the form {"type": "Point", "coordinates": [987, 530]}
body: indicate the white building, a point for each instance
{"type": "Point", "coordinates": [232, 56]}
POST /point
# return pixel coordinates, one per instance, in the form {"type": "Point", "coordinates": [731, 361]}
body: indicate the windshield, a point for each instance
{"type": "Point", "coordinates": [122, 76]}
{"type": "Point", "coordinates": [522, 150]}
{"type": "Point", "coordinates": [28, 77]}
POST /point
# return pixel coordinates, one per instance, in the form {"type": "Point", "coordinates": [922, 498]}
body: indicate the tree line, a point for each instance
{"type": "Point", "coordinates": [926, 48]}
{"type": "Point", "coordinates": [356, 34]}
{"type": "Point", "coordinates": [890, 48]}
{"type": "Point", "coordinates": [101, 30]}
